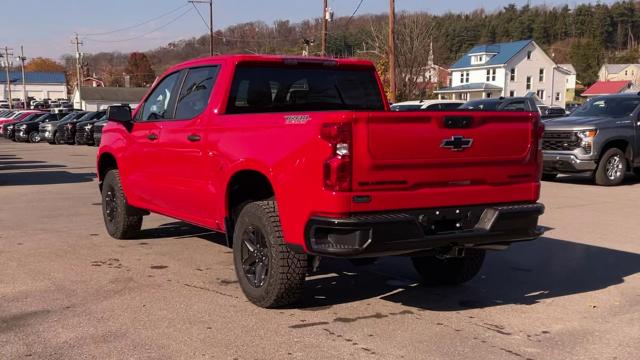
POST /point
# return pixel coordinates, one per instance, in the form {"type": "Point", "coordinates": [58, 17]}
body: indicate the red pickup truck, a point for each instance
{"type": "Point", "coordinates": [297, 158]}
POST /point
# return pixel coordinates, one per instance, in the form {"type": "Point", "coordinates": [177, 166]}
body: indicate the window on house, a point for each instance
{"type": "Point", "coordinates": [466, 77]}
{"type": "Point", "coordinates": [512, 93]}
{"type": "Point", "coordinates": [512, 76]}
{"type": "Point", "coordinates": [541, 75]}
{"type": "Point", "coordinates": [488, 75]}
{"type": "Point", "coordinates": [488, 95]}
{"type": "Point", "coordinates": [557, 96]}
{"type": "Point", "coordinates": [540, 94]}
{"type": "Point", "coordinates": [529, 55]}
{"type": "Point", "coordinates": [528, 82]}
{"type": "Point", "coordinates": [493, 75]}
{"type": "Point", "coordinates": [462, 77]}
{"type": "Point", "coordinates": [626, 72]}
{"type": "Point", "coordinates": [464, 96]}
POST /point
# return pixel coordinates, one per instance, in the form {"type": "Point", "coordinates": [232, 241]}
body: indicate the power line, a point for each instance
{"type": "Point", "coordinates": [137, 25]}
{"type": "Point", "coordinates": [353, 14]}
{"type": "Point", "coordinates": [201, 17]}
{"type": "Point", "coordinates": [146, 33]}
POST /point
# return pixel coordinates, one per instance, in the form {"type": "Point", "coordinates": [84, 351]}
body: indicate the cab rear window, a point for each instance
{"type": "Point", "coordinates": [287, 89]}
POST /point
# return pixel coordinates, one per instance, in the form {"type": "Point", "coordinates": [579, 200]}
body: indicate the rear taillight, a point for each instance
{"type": "Point", "coordinates": [337, 169]}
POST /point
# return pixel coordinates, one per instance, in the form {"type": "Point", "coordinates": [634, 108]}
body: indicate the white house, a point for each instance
{"type": "Point", "coordinates": [98, 98]}
{"type": "Point", "coordinates": [507, 69]}
{"type": "Point", "coordinates": [571, 81]}
{"type": "Point", "coordinates": [40, 85]}
{"type": "Point", "coordinates": [620, 72]}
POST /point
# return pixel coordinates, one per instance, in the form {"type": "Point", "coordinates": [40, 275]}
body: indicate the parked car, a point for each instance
{"type": "Point", "coordinates": [298, 158]}
{"type": "Point", "coordinates": [427, 105]}
{"type": "Point", "coordinates": [17, 116]}
{"type": "Point", "coordinates": [600, 138]}
{"type": "Point", "coordinates": [97, 131]}
{"type": "Point", "coordinates": [9, 129]}
{"type": "Point", "coordinates": [551, 112]}
{"type": "Point", "coordinates": [49, 131]}
{"type": "Point", "coordinates": [67, 131]}
{"type": "Point", "coordinates": [84, 131]}
{"type": "Point", "coordinates": [29, 131]}
{"type": "Point", "coordinates": [525, 103]}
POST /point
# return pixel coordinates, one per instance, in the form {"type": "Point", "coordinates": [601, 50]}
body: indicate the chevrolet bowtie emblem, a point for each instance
{"type": "Point", "coordinates": [457, 143]}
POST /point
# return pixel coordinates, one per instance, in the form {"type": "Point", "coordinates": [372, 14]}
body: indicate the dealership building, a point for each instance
{"type": "Point", "coordinates": [40, 85]}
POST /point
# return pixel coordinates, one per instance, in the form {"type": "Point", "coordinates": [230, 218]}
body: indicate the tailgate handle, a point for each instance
{"type": "Point", "coordinates": [458, 122]}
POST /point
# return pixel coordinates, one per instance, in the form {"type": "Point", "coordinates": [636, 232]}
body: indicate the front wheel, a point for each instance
{"type": "Point", "coordinates": [436, 270]}
{"type": "Point", "coordinates": [57, 138]}
{"type": "Point", "coordinates": [611, 168]}
{"type": "Point", "coordinates": [122, 220]}
{"type": "Point", "coordinates": [34, 137]}
{"type": "Point", "coordinates": [269, 273]}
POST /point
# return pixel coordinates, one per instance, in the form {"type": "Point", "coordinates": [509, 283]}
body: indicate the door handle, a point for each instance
{"type": "Point", "coordinates": [152, 137]}
{"type": "Point", "coordinates": [193, 137]}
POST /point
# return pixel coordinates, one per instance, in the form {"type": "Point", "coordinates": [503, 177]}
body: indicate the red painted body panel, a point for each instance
{"type": "Point", "coordinates": [397, 158]}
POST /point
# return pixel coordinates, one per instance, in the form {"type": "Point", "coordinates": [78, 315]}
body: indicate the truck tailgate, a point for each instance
{"type": "Point", "coordinates": [413, 150]}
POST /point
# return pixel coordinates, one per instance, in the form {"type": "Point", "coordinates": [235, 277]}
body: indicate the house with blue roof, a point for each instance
{"type": "Point", "coordinates": [509, 70]}
{"type": "Point", "coordinates": [39, 85]}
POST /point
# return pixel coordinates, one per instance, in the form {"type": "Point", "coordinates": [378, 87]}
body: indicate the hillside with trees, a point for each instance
{"type": "Point", "coordinates": [586, 36]}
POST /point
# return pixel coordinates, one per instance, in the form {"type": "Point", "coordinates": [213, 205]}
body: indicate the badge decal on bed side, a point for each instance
{"type": "Point", "coordinates": [296, 119]}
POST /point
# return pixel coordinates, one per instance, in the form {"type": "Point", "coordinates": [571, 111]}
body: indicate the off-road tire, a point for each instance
{"type": "Point", "coordinates": [601, 177]}
{"type": "Point", "coordinates": [549, 176]}
{"type": "Point", "coordinates": [449, 271]}
{"type": "Point", "coordinates": [286, 270]}
{"type": "Point", "coordinates": [127, 220]}
{"type": "Point", "coordinates": [34, 137]}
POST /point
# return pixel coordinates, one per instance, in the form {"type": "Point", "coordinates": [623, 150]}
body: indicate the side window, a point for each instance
{"type": "Point", "coordinates": [518, 105]}
{"type": "Point", "coordinates": [158, 104]}
{"type": "Point", "coordinates": [195, 93]}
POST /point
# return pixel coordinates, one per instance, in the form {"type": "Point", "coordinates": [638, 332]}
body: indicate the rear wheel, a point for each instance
{"type": "Point", "coordinates": [122, 220]}
{"type": "Point", "coordinates": [436, 270]}
{"type": "Point", "coordinates": [34, 137]}
{"type": "Point", "coordinates": [549, 176]}
{"type": "Point", "coordinates": [269, 273]}
{"type": "Point", "coordinates": [611, 168]}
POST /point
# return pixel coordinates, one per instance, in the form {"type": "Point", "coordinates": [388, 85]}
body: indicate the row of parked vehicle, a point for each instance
{"type": "Point", "coordinates": [75, 127]}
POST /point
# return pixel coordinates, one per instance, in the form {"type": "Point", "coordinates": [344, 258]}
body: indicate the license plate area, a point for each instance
{"type": "Point", "coordinates": [449, 220]}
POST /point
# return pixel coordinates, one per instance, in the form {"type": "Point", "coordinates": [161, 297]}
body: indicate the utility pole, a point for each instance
{"type": "Point", "coordinates": [22, 59]}
{"type": "Point", "coordinates": [210, 2]}
{"type": "Point", "coordinates": [392, 51]}
{"type": "Point", "coordinates": [76, 41]}
{"type": "Point", "coordinates": [325, 27]}
{"type": "Point", "coordinates": [7, 58]}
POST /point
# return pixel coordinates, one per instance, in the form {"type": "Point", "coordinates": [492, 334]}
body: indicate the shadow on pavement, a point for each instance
{"type": "Point", "coordinates": [180, 230]}
{"type": "Point", "coordinates": [525, 274]}
{"type": "Point", "coordinates": [578, 179]}
{"type": "Point", "coordinates": [44, 178]}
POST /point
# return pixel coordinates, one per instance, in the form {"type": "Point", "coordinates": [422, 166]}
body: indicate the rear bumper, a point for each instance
{"type": "Point", "coordinates": [412, 231]}
{"type": "Point", "coordinates": [558, 162]}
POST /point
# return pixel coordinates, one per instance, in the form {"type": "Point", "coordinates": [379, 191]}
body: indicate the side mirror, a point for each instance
{"type": "Point", "coordinates": [119, 113]}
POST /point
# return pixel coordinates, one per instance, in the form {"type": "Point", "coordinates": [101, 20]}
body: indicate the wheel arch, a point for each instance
{"type": "Point", "coordinates": [620, 143]}
{"type": "Point", "coordinates": [106, 162]}
{"type": "Point", "coordinates": [243, 187]}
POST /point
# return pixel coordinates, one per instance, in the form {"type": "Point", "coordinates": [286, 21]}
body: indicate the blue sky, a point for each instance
{"type": "Point", "coordinates": [45, 27]}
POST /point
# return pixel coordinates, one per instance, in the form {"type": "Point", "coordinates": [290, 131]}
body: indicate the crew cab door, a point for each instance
{"type": "Point", "coordinates": [183, 147]}
{"type": "Point", "coordinates": [145, 166]}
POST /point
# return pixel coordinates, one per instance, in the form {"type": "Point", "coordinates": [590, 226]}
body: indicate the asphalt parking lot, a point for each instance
{"type": "Point", "coordinates": [68, 291]}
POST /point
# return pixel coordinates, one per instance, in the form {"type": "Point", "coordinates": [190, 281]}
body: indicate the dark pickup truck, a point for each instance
{"type": "Point", "coordinates": [601, 138]}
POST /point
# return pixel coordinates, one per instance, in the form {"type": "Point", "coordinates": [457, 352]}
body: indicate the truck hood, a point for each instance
{"type": "Point", "coordinates": [580, 122]}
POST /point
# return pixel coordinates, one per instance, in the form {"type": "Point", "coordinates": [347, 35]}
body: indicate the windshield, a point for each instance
{"type": "Point", "coordinates": [408, 107]}
{"type": "Point", "coordinates": [303, 88]}
{"type": "Point", "coordinates": [69, 116]}
{"type": "Point", "coordinates": [481, 105]}
{"type": "Point", "coordinates": [610, 107]}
